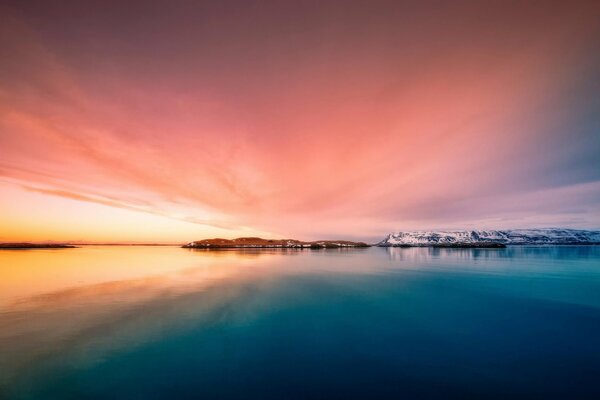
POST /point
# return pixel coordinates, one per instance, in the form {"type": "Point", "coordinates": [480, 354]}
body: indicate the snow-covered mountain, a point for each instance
{"type": "Point", "coordinates": [480, 237]}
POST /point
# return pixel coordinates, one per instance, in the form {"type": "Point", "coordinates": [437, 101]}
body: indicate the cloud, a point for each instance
{"type": "Point", "coordinates": [347, 121]}
{"type": "Point", "coordinates": [150, 209]}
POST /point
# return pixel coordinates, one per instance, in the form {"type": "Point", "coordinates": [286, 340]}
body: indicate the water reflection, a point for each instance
{"type": "Point", "coordinates": [410, 309]}
{"type": "Point", "coordinates": [257, 253]}
{"type": "Point", "coordinates": [511, 252]}
{"type": "Point", "coordinates": [84, 324]}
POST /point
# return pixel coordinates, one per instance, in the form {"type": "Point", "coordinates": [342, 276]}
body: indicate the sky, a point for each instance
{"type": "Point", "coordinates": [172, 121]}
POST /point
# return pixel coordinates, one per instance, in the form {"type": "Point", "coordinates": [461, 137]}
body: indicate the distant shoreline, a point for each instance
{"type": "Point", "coordinates": [465, 239]}
{"type": "Point", "coordinates": [260, 243]}
{"type": "Point", "coordinates": [28, 246]}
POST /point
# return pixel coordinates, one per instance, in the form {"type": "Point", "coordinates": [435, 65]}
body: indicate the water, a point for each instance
{"type": "Point", "coordinates": [164, 322]}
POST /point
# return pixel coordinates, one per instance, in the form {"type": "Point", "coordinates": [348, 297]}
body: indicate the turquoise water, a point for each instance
{"type": "Point", "coordinates": [164, 322]}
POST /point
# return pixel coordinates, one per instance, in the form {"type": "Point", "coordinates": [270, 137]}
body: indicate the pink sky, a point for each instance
{"type": "Point", "coordinates": [179, 121]}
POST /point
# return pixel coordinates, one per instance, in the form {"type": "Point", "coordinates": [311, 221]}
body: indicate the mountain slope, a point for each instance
{"type": "Point", "coordinates": [480, 238]}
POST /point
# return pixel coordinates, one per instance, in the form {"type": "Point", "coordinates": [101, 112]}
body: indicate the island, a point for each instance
{"type": "Point", "coordinates": [260, 243]}
{"type": "Point", "coordinates": [26, 246]}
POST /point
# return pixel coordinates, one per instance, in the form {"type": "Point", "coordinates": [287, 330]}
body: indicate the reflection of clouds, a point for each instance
{"type": "Point", "coordinates": [84, 324]}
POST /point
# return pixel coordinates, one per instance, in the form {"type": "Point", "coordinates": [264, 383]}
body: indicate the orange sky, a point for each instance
{"type": "Point", "coordinates": [169, 122]}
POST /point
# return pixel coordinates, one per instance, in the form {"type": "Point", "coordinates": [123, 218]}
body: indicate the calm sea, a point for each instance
{"type": "Point", "coordinates": [164, 322]}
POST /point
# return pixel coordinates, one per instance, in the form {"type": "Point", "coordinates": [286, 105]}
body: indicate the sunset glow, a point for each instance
{"type": "Point", "coordinates": [156, 123]}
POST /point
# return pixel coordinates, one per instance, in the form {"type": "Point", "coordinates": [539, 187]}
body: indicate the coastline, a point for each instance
{"type": "Point", "coordinates": [31, 246]}
{"type": "Point", "coordinates": [260, 243]}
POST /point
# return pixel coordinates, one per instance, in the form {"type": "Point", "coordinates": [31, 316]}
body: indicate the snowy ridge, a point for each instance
{"type": "Point", "coordinates": [505, 237]}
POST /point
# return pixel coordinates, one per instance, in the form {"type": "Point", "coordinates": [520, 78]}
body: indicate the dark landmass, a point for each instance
{"type": "Point", "coordinates": [259, 243]}
{"type": "Point", "coordinates": [25, 246]}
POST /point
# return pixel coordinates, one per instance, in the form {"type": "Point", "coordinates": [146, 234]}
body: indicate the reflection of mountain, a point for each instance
{"type": "Point", "coordinates": [85, 324]}
{"type": "Point", "coordinates": [423, 253]}
{"type": "Point", "coordinates": [482, 238]}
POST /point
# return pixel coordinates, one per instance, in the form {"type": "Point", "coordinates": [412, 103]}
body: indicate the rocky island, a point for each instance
{"type": "Point", "coordinates": [260, 243]}
{"type": "Point", "coordinates": [491, 238]}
